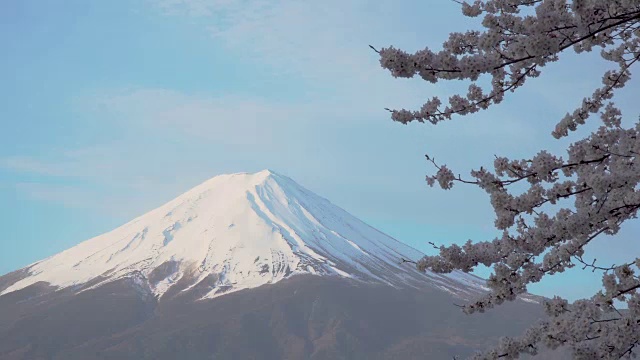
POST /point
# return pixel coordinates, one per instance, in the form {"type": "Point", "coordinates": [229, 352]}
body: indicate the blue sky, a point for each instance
{"type": "Point", "coordinates": [111, 108]}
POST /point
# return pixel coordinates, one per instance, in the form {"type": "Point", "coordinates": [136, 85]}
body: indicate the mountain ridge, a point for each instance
{"type": "Point", "coordinates": [248, 265]}
{"type": "Point", "coordinates": [238, 231]}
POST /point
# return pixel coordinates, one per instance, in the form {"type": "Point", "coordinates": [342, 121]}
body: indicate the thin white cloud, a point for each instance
{"type": "Point", "coordinates": [26, 164]}
{"type": "Point", "coordinates": [230, 120]}
{"type": "Point", "coordinates": [68, 195]}
{"type": "Point", "coordinates": [97, 161]}
{"type": "Point", "coordinates": [150, 163]}
{"type": "Point", "coordinates": [319, 51]}
{"type": "Point", "coordinates": [190, 7]}
{"type": "Point", "coordinates": [107, 202]}
{"type": "Point", "coordinates": [324, 43]}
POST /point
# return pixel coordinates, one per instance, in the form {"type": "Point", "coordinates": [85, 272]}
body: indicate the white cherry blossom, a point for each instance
{"type": "Point", "coordinates": [600, 173]}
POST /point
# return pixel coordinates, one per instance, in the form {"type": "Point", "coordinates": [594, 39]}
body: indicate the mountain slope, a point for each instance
{"type": "Point", "coordinates": [235, 232]}
{"type": "Point", "coordinates": [245, 266]}
{"type": "Point", "coordinates": [303, 317]}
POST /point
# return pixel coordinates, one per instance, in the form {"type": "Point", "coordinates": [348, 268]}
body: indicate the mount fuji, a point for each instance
{"type": "Point", "coordinates": [245, 266]}
{"type": "Point", "coordinates": [236, 232]}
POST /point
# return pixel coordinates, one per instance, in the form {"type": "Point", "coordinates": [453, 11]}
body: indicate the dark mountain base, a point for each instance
{"type": "Point", "coordinates": [305, 317]}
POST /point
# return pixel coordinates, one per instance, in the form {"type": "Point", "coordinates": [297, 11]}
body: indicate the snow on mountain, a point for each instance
{"type": "Point", "coordinates": [241, 231]}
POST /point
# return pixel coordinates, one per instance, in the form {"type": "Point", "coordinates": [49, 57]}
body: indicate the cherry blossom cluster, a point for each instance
{"type": "Point", "coordinates": [515, 46]}
{"type": "Point", "coordinates": [602, 176]}
{"type": "Point", "coordinates": [568, 201]}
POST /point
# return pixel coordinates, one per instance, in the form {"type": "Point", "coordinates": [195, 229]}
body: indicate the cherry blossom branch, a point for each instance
{"type": "Point", "coordinates": [493, 58]}
{"type": "Point", "coordinates": [593, 265]}
{"type": "Point", "coordinates": [601, 174]}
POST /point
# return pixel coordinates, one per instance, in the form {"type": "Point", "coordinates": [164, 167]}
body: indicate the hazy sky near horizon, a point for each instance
{"type": "Point", "coordinates": [111, 108]}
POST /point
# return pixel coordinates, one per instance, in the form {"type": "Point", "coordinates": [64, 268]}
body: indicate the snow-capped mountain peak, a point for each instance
{"type": "Point", "coordinates": [240, 231]}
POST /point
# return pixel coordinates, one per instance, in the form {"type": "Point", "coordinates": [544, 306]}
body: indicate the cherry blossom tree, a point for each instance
{"type": "Point", "coordinates": [600, 175]}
